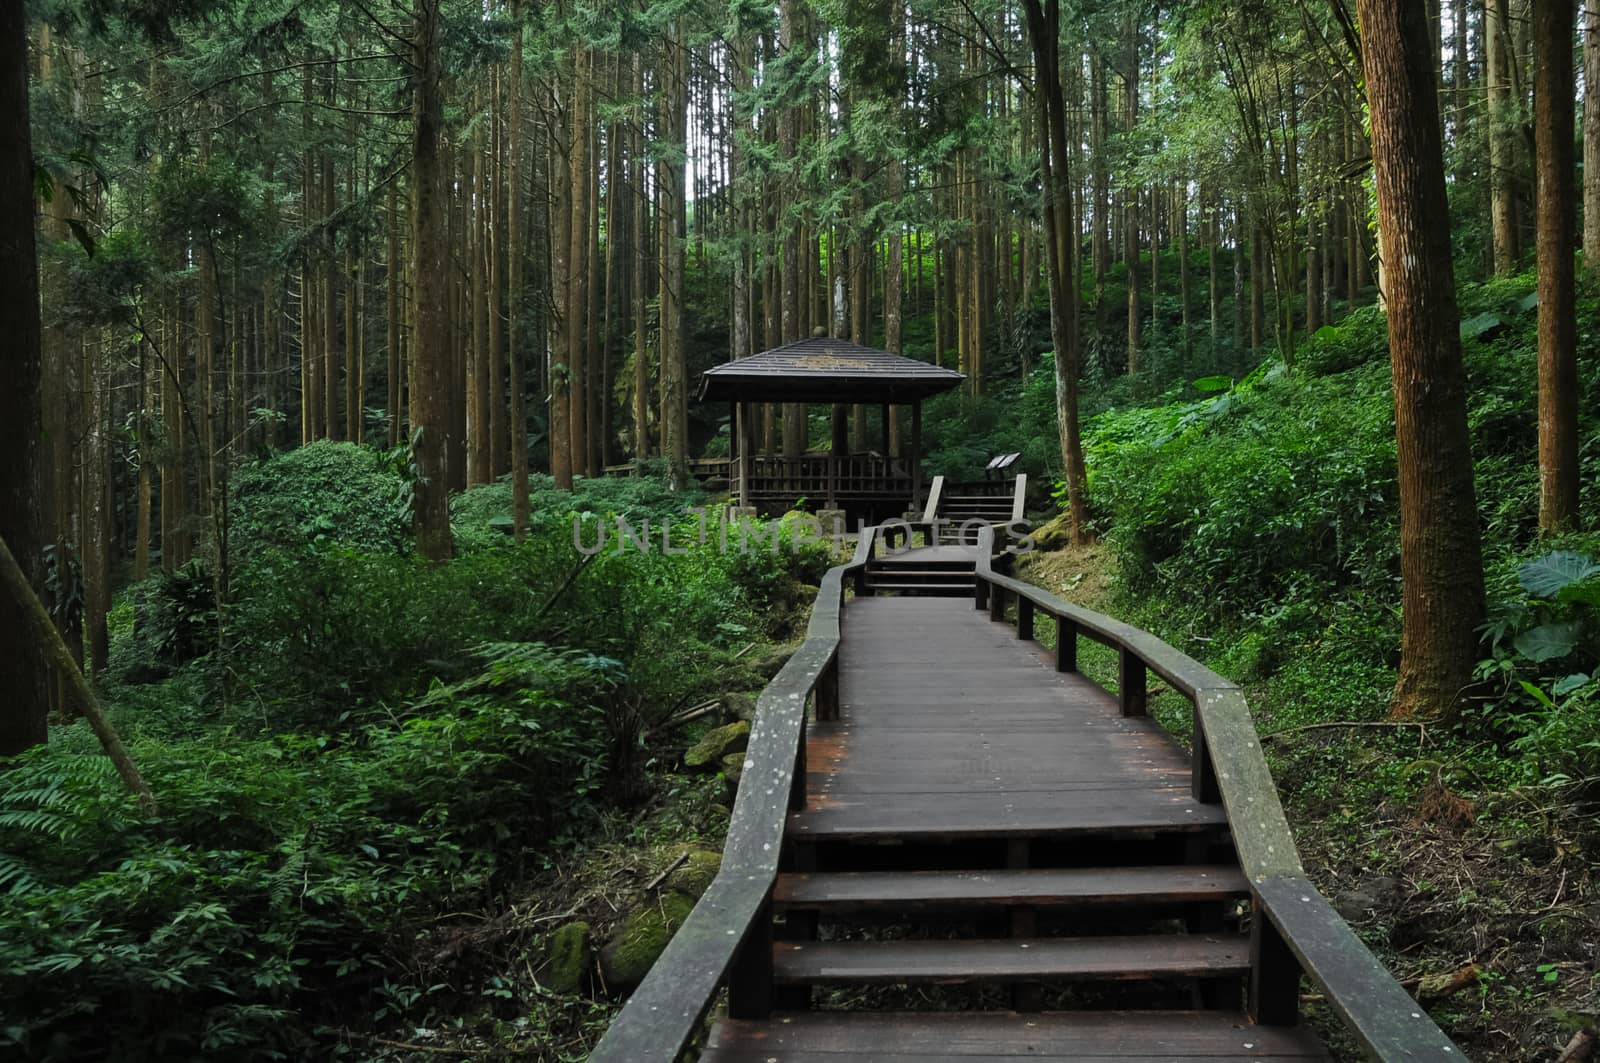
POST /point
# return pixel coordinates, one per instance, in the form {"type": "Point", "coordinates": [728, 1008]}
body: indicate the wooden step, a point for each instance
{"type": "Point", "coordinates": [1059, 812]}
{"type": "Point", "coordinates": [867, 890]}
{"type": "Point", "coordinates": [965, 1037]}
{"type": "Point", "coordinates": [1077, 959]}
{"type": "Point", "coordinates": [909, 572]}
{"type": "Point", "coordinates": [950, 589]}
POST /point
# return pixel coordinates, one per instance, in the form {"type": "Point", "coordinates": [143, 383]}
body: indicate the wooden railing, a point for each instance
{"type": "Point", "coordinates": [1294, 930]}
{"type": "Point", "coordinates": [817, 477]}
{"type": "Point", "coordinates": [727, 938]}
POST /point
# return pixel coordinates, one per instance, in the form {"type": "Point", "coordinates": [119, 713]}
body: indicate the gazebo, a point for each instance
{"type": "Point", "coordinates": [833, 372]}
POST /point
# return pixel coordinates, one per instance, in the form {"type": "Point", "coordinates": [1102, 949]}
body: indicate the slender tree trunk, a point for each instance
{"type": "Point", "coordinates": [1558, 323]}
{"type": "Point", "coordinates": [1441, 568]}
{"type": "Point", "coordinates": [1130, 200]}
{"type": "Point", "coordinates": [578, 258]}
{"type": "Point", "coordinates": [516, 330]}
{"type": "Point", "coordinates": [393, 268]}
{"type": "Point", "coordinates": [431, 382]}
{"type": "Point", "coordinates": [670, 174]}
{"type": "Point", "coordinates": [562, 177]}
{"type": "Point", "coordinates": [1061, 242]}
{"type": "Point", "coordinates": [1591, 136]}
{"type": "Point", "coordinates": [1502, 138]}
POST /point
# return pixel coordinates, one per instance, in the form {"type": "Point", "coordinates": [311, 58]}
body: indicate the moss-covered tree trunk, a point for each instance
{"type": "Point", "coordinates": [1440, 565]}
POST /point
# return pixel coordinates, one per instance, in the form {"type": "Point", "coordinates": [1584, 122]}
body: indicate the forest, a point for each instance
{"type": "Point", "coordinates": [331, 323]}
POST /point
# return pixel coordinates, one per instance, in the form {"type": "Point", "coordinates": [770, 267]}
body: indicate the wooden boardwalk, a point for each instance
{"type": "Point", "coordinates": [972, 851]}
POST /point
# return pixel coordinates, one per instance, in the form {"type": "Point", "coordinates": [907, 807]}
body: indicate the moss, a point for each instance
{"type": "Point", "coordinates": [733, 767]}
{"type": "Point", "coordinates": [718, 743]}
{"type": "Point", "coordinates": [694, 877]}
{"type": "Point", "coordinates": [566, 958]}
{"type": "Point", "coordinates": [642, 938]}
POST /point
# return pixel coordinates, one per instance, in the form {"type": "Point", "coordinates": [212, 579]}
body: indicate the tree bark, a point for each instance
{"type": "Point", "coordinates": [1502, 139]}
{"type": "Point", "coordinates": [431, 380]}
{"type": "Point", "coordinates": [515, 330]}
{"type": "Point", "coordinates": [1591, 136]}
{"type": "Point", "coordinates": [23, 677]}
{"type": "Point", "coordinates": [1440, 563]}
{"type": "Point", "coordinates": [1554, 205]}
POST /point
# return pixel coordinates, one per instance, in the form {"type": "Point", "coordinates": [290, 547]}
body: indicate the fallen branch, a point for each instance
{"type": "Point", "coordinates": [1581, 1046]}
{"type": "Point", "coordinates": [572, 576]}
{"type": "Point", "coordinates": [50, 643]}
{"type": "Point", "coordinates": [683, 858]}
{"type": "Point", "coordinates": [1421, 727]}
{"type": "Point", "coordinates": [693, 712]}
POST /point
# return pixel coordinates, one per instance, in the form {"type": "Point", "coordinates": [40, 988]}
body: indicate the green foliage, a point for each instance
{"type": "Point", "coordinates": [283, 869]}
{"type": "Point", "coordinates": [1542, 697]}
{"type": "Point", "coordinates": [322, 494]}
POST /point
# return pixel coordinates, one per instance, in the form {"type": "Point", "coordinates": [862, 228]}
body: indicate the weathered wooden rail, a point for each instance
{"type": "Point", "coordinates": [728, 940]}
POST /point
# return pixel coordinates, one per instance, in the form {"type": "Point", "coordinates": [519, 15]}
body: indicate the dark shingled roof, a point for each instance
{"type": "Point", "coordinates": [825, 370]}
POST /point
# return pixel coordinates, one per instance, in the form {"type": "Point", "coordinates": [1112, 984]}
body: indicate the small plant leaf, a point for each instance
{"type": "Point", "coordinates": [1567, 684]}
{"type": "Point", "coordinates": [1546, 577]}
{"type": "Point", "coordinates": [1547, 642]}
{"type": "Point", "coordinates": [1533, 691]}
{"type": "Point", "coordinates": [1213, 383]}
{"type": "Point", "coordinates": [1474, 327]}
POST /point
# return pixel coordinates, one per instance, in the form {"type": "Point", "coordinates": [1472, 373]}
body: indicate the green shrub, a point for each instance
{"type": "Point", "coordinates": [282, 871]}
{"type": "Point", "coordinates": [324, 493]}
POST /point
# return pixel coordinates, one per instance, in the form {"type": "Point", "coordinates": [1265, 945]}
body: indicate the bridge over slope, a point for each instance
{"type": "Point", "coordinates": [951, 845]}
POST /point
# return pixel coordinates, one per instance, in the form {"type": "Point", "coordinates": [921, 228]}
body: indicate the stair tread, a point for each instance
{"type": "Point", "coordinates": [947, 1037]}
{"type": "Point", "coordinates": [1041, 814]}
{"type": "Point", "coordinates": [1089, 885]}
{"type": "Point", "coordinates": [1131, 956]}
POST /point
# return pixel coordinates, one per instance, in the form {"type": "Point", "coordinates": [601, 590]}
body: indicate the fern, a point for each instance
{"type": "Point", "coordinates": [16, 875]}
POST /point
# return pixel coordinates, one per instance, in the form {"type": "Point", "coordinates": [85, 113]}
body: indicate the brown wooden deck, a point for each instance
{"type": "Point", "coordinates": [972, 851]}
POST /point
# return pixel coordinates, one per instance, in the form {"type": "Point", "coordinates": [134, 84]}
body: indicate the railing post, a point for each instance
{"type": "Point", "coordinates": [1202, 773]}
{"type": "Point", "coordinates": [1131, 683]}
{"type": "Point", "coordinates": [827, 692]}
{"type": "Point", "coordinates": [980, 593]}
{"type": "Point", "coordinates": [997, 603]}
{"type": "Point", "coordinates": [797, 786]}
{"type": "Point", "coordinates": [1024, 617]}
{"type": "Point", "coordinates": [1066, 645]}
{"type": "Point", "coordinates": [1274, 973]}
{"type": "Point", "coordinates": [750, 974]}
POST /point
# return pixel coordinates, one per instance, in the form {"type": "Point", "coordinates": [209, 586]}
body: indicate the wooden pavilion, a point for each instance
{"type": "Point", "coordinates": [827, 371]}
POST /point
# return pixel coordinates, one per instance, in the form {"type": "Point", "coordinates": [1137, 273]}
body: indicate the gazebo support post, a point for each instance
{"type": "Point", "coordinates": [888, 466]}
{"type": "Point", "coordinates": [916, 455]}
{"type": "Point", "coordinates": [744, 445]}
{"type": "Point", "coordinates": [838, 450]}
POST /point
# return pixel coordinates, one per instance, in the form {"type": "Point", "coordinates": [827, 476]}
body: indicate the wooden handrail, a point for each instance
{"type": "Point", "coordinates": [931, 510]}
{"type": "Point", "coordinates": [1294, 929]}
{"type": "Point", "coordinates": [728, 935]}
{"type": "Point", "coordinates": [1019, 497]}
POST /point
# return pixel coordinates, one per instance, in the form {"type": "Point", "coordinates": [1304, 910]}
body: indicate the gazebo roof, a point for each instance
{"type": "Point", "coordinates": [825, 370]}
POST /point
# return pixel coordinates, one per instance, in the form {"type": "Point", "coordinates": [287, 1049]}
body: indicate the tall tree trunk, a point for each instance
{"type": "Point", "coordinates": [1502, 138]}
{"type": "Point", "coordinates": [1061, 242]}
{"type": "Point", "coordinates": [794, 53]}
{"type": "Point", "coordinates": [1130, 196]}
{"type": "Point", "coordinates": [393, 268]}
{"type": "Point", "coordinates": [1555, 204]}
{"type": "Point", "coordinates": [24, 675]}
{"type": "Point", "coordinates": [431, 380]}
{"type": "Point", "coordinates": [562, 176]}
{"type": "Point", "coordinates": [578, 260]}
{"type": "Point", "coordinates": [516, 330]}
{"type": "Point", "coordinates": [1440, 564]}
{"type": "Point", "coordinates": [670, 174]}
{"type": "Point", "coordinates": [1591, 136]}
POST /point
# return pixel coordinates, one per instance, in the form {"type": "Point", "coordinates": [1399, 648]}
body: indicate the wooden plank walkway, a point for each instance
{"type": "Point", "coordinates": [1000, 786]}
{"type": "Point", "coordinates": [972, 852]}
{"type": "Point", "coordinates": [950, 727]}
